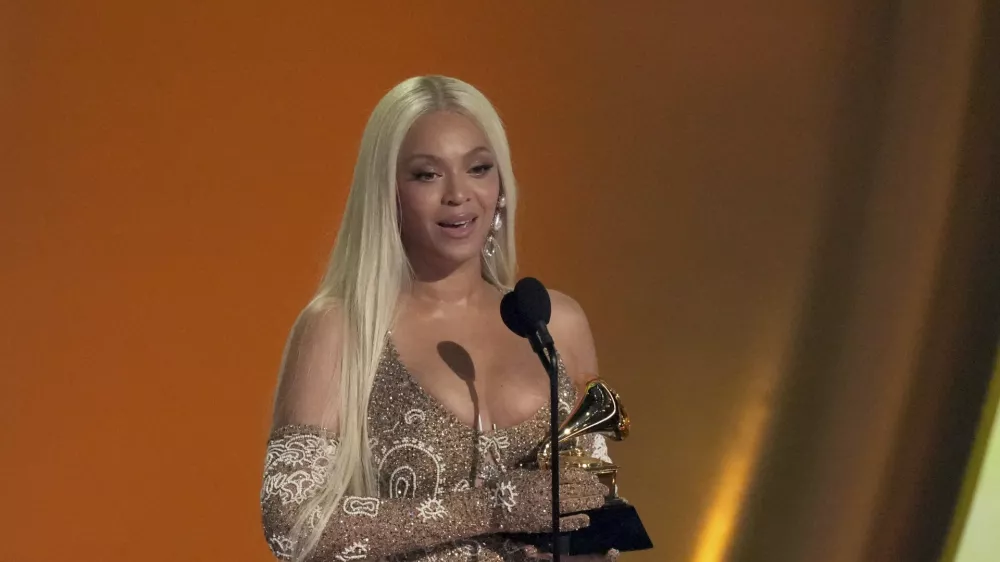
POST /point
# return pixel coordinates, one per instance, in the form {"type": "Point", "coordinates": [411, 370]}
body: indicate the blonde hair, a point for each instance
{"type": "Point", "coordinates": [368, 269]}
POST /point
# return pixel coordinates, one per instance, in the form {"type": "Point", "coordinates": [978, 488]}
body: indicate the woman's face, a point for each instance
{"type": "Point", "coordinates": [448, 189]}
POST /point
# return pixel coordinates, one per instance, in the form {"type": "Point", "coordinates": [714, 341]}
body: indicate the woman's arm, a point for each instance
{"type": "Point", "coordinates": [571, 331]}
{"type": "Point", "coordinates": [575, 341]}
{"type": "Point", "coordinates": [298, 461]}
{"type": "Point", "coordinates": [300, 457]}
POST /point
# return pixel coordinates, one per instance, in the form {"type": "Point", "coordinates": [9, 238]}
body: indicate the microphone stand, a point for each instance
{"type": "Point", "coordinates": [544, 347]}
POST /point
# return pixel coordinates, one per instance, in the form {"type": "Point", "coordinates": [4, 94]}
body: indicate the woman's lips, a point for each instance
{"type": "Point", "coordinates": [458, 228]}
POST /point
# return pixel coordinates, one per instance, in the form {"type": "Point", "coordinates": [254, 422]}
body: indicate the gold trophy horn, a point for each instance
{"type": "Point", "coordinates": [599, 411]}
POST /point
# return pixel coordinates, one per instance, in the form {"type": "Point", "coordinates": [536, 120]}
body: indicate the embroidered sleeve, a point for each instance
{"type": "Point", "coordinates": [369, 528]}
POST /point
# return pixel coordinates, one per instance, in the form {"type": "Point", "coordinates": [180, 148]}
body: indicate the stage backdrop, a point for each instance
{"type": "Point", "coordinates": [771, 212]}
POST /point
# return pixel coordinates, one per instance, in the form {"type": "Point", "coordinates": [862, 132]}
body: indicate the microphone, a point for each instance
{"type": "Point", "coordinates": [526, 311]}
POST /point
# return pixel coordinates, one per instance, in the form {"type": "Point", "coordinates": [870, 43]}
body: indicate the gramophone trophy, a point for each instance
{"type": "Point", "coordinates": [616, 525]}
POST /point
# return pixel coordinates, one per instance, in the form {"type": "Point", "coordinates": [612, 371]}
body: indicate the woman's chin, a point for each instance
{"type": "Point", "coordinates": [445, 255]}
{"type": "Point", "coordinates": [457, 254]}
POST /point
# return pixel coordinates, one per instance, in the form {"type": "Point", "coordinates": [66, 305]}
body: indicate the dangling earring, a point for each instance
{"type": "Point", "coordinates": [491, 241]}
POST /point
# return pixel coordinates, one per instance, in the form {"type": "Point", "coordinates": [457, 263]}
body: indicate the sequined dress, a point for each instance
{"type": "Point", "coordinates": [428, 466]}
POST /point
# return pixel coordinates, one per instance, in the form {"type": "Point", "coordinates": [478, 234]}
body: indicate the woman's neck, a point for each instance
{"type": "Point", "coordinates": [462, 286]}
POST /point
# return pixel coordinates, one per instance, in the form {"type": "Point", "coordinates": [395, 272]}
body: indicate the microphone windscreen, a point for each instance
{"type": "Point", "coordinates": [533, 302]}
{"type": "Point", "coordinates": [511, 316]}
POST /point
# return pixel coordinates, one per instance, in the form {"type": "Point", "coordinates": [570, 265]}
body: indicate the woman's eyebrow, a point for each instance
{"type": "Point", "coordinates": [433, 158]}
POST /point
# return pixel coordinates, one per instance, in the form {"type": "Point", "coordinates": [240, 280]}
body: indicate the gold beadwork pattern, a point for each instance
{"type": "Point", "coordinates": [444, 488]}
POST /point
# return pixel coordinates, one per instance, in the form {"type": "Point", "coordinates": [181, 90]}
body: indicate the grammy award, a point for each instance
{"type": "Point", "coordinates": [616, 525]}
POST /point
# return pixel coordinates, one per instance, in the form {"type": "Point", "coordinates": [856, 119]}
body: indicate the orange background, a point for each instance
{"type": "Point", "coordinates": [750, 200]}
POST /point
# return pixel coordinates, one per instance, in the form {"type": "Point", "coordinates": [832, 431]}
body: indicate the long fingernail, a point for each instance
{"type": "Point", "coordinates": [533, 553]}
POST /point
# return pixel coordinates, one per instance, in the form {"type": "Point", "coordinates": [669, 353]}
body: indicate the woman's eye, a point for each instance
{"type": "Point", "coordinates": [424, 175]}
{"type": "Point", "coordinates": [482, 169]}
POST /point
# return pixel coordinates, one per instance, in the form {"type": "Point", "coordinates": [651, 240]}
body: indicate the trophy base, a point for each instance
{"type": "Point", "coordinates": [614, 526]}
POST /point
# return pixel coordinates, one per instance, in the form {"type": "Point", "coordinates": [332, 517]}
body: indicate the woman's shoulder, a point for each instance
{"type": "Point", "coordinates": [321, 313]}
{"type": "Point", "coordinates": [566, 309]}
{"type": "Point", "coordinates": [571, 330]}
{"type": "Point", "coordinates": [316, 333]}
{"type": "Point", "coordinates": [310, 368]}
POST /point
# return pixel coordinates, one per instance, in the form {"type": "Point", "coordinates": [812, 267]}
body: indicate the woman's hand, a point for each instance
{"type": "Point", "coordinates": [522, 500]}
{"type": "Point", "coordinates": [611, 556]}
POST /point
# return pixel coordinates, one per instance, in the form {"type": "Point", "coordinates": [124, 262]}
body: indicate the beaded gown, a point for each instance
{"type": "Point", "coordinates": [430, 505]}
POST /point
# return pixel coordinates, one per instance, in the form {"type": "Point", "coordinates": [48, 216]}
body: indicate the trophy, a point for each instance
{"type": "Point", "coordinates": [616, 525]}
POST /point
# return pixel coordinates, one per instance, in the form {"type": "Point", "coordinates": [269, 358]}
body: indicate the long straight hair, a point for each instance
{"type": "Point", "coordinates": [369, 268]}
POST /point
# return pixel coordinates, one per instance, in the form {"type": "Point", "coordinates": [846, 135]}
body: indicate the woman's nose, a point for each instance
{"type": "Point", "coordinates": [456, 191]}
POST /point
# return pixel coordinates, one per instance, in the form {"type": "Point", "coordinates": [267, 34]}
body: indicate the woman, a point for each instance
{"type": "Point", "coordinates": [404, 405]}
